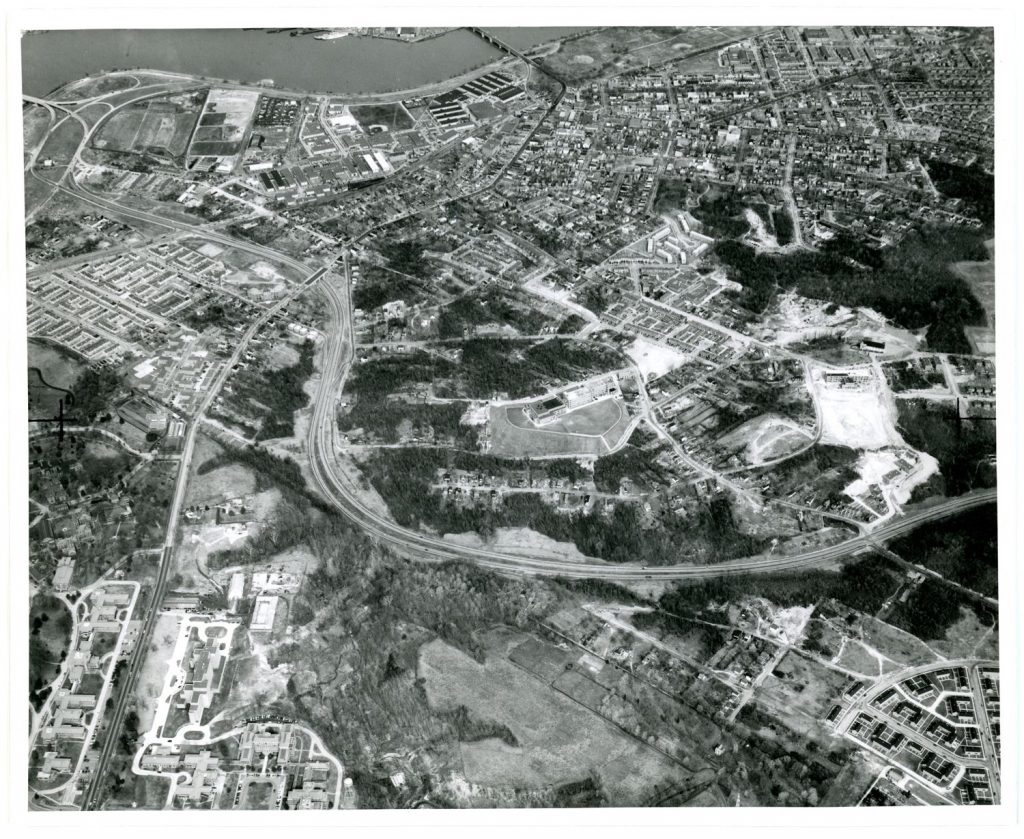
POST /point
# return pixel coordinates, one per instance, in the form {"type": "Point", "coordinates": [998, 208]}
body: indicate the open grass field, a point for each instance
{"type": "Point", "coordinates": [857, 658]}
{"type": "Point", "coordinates": [969, 637]}
{"type": "Point", "coordinates": [766, 438]}
{"type": "Point", "coordinates": [51, 373]}
{"type": "Point", "coordinates": [800, 691]}
{"type": "Point", "coordinates": [62, 143]}
{"type": "Point", "coordinates": [559, 742]}
{"type": "Point", "coordinates": [165, 129]}
{"type": "Point", "coordinates": [612, 51]}
{"type": "Point", "coordinates": [694, 641]}
{"type": "Point", "coordinates": [50, 623]}
{"type": "Point", "coordinates": [155, 668]}
{"type": "Point", "coordinates": [35, 122]}
{"type": "Point", "coordinates": [224, 122]}
{"type": "Point", "coordinates": [120, 131]}
{"type": "Point", "coordinates": [96, 86]}
{"type": "Point", "coordinates": [901, 647]}
{"type": "Point", "coordinates": [392, 116]}
{"type": "Point", "coordinates": [258, 795]}
{"type": "Point", "coordinates": [982, 278]}
{"type": "Point", "coordinates": [594, 430]}
{"type": "Point", "coordinates": [226, 482]}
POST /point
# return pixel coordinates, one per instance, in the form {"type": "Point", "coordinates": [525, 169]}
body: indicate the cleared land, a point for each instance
{"type": "Point", "coordinates": [800, 692]}
{"type": "Point", "coordinates": [36, 122]}
{"type": "Point", "coordinates": [613, 51]}
{"type": "Point", "coordinates": [859, 419]}
{"type": "Point", "coordinates": [593, 430]}
{"type": "Point", "coordinates": [766, 438]}
{"type": "Point", "coordinates": [393, 116]}
{"type": "Point", "coordinates": [159, 127]}
{"type": "Point", "coordinates": [223, 123]}
{"type": "Point", "coordinates": [226, 482]}
{"type": "Point", "coordinates": [559, 741]}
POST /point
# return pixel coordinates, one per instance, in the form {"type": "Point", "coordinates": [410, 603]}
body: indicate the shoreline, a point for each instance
{"type": "Point", "coordinates": [355, 97]}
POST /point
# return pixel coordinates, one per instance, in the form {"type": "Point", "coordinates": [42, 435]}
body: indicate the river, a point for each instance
{"type": "Point", "coordinates": [350, 65]}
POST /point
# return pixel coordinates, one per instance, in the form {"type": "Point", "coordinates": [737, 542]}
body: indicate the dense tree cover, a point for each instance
{"type": "Point", "coordinates": [271, 470]}
{"type": "Point", "coordinates": [963, 549]}
{"type": "Point", "coordinates": [566, 468]}
{"type": "Point", "coordinates": [499, 365]}
{"type": "Point", "coordinates": [822, 455]}
{"type": "Point", "coordinates": [387, 611]}
{"type": "Point", "coordinates": [864, 586]}
{"type": "Point", "coordinates": [602, 589]}
{"type": "Point", "coordinates": [129, 733]}
{"type": "Point", "coordinates": [403, 477]}
{"type": "Point", "coordinates": [773, 397]}
{"type": "Point", "coordinates": [631, 462]}
{"type": "Point", "coordinates": [594, 298]}
{"type": "Point", "coordinates": [570, 325]}
{"type": "Point", "coordinates": [378, 377]}
{"type": "Point", "coordinates": [764, 212]}
{"type": "Point", "coordinates": [93, 390]}
{"type": "Point", "coordinates": [784, 230]}
{"type": "Point", "coordinates": [672, 194]}
{"type": "Point", "coordinates": [406, 257]}
{"type": "Point", "coordinates": [962, 447]}
{"type": "Point", "coordinates": [470, 728]}
{"type": "Point", "coordinates": [906, 375]}
{"type": "Point", "coordinates": [829, 468]}
{"type": "Point", "coordinates": [491, 306]}
{"type": "Point", "coordinates": [910, 282]}
{"type": "Point", "coordinates": [547, 240]}
{"type": "Point", "coordinates": [971, 183]}
{"type": "Point", "coordinates": [933, 608]}
{"type": "Point", "coordinates": [282, 390]}
{"type": "Point", "coordinates": [722, 216]}
{"type": "Point", "coordinates": [710, 637]}
{"type": "Point", "coordinates": [379, 286]}
{"type": "Point", "coordinates": [217, 313]}
{"type": "Point", "coordinates": [390, 419]}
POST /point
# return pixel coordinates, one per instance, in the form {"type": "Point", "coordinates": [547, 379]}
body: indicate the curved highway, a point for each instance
{"type": "Point", "coordinates": [336, 361]}
{"type": "Point", "coordinates": [337, 358]}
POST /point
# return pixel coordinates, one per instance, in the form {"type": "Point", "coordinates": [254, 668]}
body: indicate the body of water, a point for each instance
{"type": "Point", "coordinates": [349, 65]}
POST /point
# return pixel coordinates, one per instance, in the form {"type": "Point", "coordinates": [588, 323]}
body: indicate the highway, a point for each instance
{"type": "Point", "coordinates": [331, 482]}
{"type": "Point", "coordinates": [138, 657]}
{"type": "Point", "coordinates": [336, 361]}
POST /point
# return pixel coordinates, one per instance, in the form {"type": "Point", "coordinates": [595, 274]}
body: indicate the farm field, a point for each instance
{"type": "Point", "coordinates": [592, 430]}
{"type": "Point", "coordinates": [558, 741]}
{"type": "Point", "coordinates": [223, 123]}
{"type": "Point", "coordinates": [159, 126]}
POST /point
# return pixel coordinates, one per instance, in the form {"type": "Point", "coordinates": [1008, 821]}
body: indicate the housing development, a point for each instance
{"type": "Point", "coordinates": [611, 423]}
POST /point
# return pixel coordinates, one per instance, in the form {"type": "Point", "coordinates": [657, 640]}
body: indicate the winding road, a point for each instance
{"type": "Point", "coordinates": [335, 487]}
{"type": "Point", "coordinates": [332, 482]}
